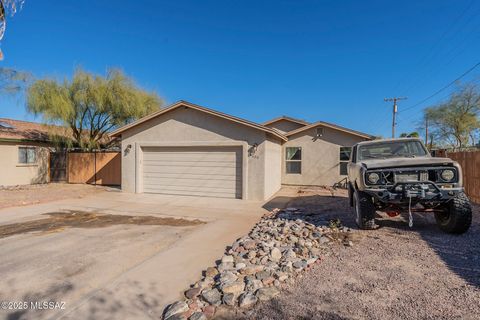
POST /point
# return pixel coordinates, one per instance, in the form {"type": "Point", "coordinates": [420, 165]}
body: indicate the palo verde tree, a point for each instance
{"type": "Point", "coordinates": [455, 122]}
{"type": "Point", "coordinates": [91, 105]}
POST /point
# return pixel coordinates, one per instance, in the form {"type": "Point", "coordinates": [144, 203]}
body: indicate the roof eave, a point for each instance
{"type": "Point", "coordinates": [118, 132]}
{"type": "Point", "coordinates": [23, 140]}
{"type": "Point", "coordinates": [316, 124]}
{"type": "Point", "coordinates": [305, 123]}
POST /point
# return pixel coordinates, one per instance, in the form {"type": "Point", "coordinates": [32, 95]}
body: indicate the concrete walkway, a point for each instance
{"type": "Point", "coordinates": [123, 271]}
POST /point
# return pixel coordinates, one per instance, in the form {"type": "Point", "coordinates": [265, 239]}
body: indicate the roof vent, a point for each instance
{"type": "Point", "coordinates": [319, 132]}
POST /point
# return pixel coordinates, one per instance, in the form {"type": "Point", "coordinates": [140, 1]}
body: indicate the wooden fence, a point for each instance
{"type": "Point", "coordinates": [100, 168]}
{"type": "Point", "coordinates": [470, 163]}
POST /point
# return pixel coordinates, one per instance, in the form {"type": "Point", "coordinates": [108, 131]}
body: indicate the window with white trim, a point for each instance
{"type": "Point", "coordinates": [345, 153]}
{"type": "Point", "coordinates": [293, 160]}
{"type": "Point", "coordinates": [27, 155]}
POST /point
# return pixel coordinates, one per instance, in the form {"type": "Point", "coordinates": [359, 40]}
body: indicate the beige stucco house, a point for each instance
{"type": "Point", "coordinates": [24, 153]}
{"type": "Point", "coordinates": [187, 149]}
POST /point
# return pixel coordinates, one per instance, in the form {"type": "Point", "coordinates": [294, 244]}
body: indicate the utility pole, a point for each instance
{"type": "Point", "coordinates": [395, 110]}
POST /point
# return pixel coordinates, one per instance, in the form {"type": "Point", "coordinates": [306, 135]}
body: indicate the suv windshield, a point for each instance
{"type": "Point", "coordinates": [391, 149]}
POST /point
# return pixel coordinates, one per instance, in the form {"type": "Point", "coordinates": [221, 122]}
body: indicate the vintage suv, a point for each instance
{"type": "Point", "coordinates": [399, 175]}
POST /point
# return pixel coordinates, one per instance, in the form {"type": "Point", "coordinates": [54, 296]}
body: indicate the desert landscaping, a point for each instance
{"type": "Point", "coordinates": [309, 261]}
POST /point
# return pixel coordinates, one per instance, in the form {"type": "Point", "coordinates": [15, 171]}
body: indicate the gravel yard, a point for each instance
{"type": "Point", "coordinates": [391, 273]}
{"type": "Point", "coordinates": [42, 193]}
{"type": "Point", "coordinates": [281, 246]}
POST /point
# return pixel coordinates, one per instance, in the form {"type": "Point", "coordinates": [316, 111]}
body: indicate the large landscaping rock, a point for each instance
{"type": "Point", "coordinates": [265, 294]}
{"type": "Point", "coordinates": [176, 308]}
{"type": "Point", "coordinates": [211, 272]}
{"type": "Point", "coordinates": [192, 293]}
{"type": "Point", "coordinates": [212, 296]}
{"type": "Point", "coordinates": [230, 299]}
{"type": "Point", "coordinates": [198, 316]}
{"type": "Point", "coordinates": [247, 300]}
{"type": "Point", "coordinates": [236, 287]}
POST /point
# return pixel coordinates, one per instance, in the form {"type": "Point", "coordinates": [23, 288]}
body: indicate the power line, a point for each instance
{"type": "Point", "coordinates": [442, 98]}
{"type": "Point", "coordinates": [405, 117]}
{"type": "Point", "coordinates": [432, 52]}
{"type": "Point", "coordinates": [443, 88]}
{"type": "Point", "coordinates": [455, 51]}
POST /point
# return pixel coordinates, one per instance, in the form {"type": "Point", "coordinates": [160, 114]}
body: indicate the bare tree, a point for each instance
{"type": "Point", "coordinates": [455, 122]}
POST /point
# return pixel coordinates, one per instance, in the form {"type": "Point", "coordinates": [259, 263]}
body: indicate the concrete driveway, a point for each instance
{"type": "Point", "coordinates": [112, 255]}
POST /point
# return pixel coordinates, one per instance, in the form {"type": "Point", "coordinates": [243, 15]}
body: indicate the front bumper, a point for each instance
{"type": "Point", "coordinates": [403, 192]}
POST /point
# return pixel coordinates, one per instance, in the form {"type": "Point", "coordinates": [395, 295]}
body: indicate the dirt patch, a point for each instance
{"type": "Point", "coordinates": [58, 221]}
{"type": "Point", "coordinates": [391, 273]}
{"type": "Point", "coordinates": [41, 193]}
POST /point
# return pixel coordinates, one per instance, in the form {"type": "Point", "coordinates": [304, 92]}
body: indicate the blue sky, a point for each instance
{"type": "Point", "coordinates": [315, 60]}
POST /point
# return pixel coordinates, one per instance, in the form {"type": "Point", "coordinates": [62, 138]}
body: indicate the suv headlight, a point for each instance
{"type": "Point", "coordinates": [373, 177]}
{"type": "Point", "coordinates": [447, 175]}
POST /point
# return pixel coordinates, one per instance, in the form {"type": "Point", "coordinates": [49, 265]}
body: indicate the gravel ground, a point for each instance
{"type": "Point", "coordinates": [390, 273]}
{"type": "Point", "coordinates": [41, 193]}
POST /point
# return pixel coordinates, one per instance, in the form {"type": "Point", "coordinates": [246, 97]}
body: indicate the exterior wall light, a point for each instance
{"type": "Point", "coordinates": [127, 149]}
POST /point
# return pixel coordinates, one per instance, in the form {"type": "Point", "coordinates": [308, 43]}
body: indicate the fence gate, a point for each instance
{"type": "Point", "coordinates": [99, 168]}
{"type": "Point", "coordinates": [58, 166]}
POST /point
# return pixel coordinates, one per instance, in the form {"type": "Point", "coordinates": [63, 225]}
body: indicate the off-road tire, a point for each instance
{"type": "Point", "coordinates": [364, 210]}
{"type": "Point", "coordinates": [350, 195]}
{"type": "Point", "coordinates": [457, 216]}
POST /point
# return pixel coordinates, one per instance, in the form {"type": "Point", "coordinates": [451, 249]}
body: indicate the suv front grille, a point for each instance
{"type": "Point", "coordinates": [392, 176]}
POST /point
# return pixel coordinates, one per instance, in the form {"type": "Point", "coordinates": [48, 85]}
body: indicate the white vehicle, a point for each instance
{"type": "Point", "coordinates": [400, 175]}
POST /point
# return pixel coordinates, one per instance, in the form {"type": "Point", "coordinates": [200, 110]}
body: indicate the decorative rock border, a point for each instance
{"type": "Point", "coordinates": [278, 248]}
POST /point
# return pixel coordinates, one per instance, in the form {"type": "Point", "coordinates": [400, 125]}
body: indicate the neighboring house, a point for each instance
{"type": "Point", "coordinates": [187, 149]}
{"type": "Point", "coordinates": [24, 152]}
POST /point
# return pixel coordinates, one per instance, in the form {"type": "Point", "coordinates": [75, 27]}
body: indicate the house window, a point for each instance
{"type": "Point", "coordinates": [345, 153]}
{"type": "Point", "coordinates": [293, 160]}
{"type": "Point", "coordinates": [27, 155]}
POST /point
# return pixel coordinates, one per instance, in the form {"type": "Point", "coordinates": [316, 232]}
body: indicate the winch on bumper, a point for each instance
{"type": "Point", "coordinates": [417, 191]}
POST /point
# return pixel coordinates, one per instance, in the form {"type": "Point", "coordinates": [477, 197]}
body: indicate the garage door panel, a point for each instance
{"type": "Point", "coordinates": [187, 156]}
{"type": "Point", "coordinates": [219, 183]}
{"type": "Point", "coordinates": [200, 176]}
{"type": "Point", "coordinates": [198, 171]}
{"type": "Point", "coordinates": [183, 171]}
{"type": "Point", "coordinates": [209, 188]}
{"type": "Point", "coordinates": [188, 164]}
{"type": "Point", "coordinates": [198, 193]}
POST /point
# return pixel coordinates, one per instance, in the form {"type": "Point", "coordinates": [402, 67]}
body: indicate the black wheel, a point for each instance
{"type": "Point", "coordinates": [350, 195]}
{"type": "Point", "coordinates": [364, 210]}
{"type": "Point", "coordinates": [457, 216]}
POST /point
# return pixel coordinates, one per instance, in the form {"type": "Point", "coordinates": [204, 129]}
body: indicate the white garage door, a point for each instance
{"type": "Point", "coordinates": [196, 171]}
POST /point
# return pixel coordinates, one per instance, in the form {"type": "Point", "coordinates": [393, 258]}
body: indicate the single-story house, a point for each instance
{"type": "Point", "coordinates": [187, 149]}
{"type": "Point", "coordinates": [24, 150]}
